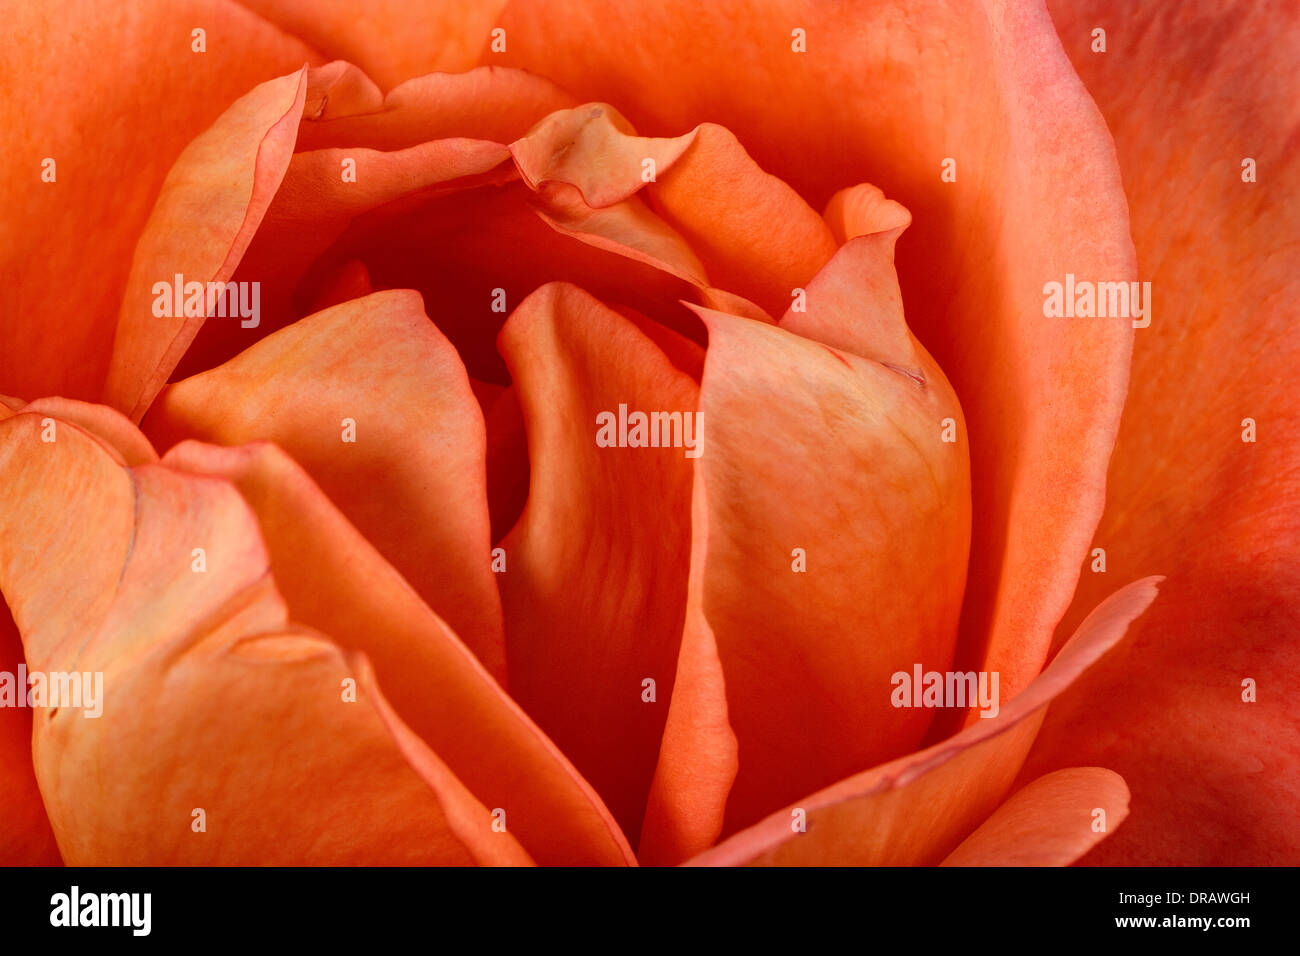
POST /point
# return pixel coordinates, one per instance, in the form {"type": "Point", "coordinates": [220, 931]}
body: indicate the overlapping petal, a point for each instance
{"type": "Point", "coordinates": [195, 651]}
{"type": "Point", "coordinates": [376, 405]}
{"type": "Point", "coordinates": [917, 809]}
{"type": "Point", "coordinates": [754, 234]}
{"type": "Point", "coordinates": [332, 578]}
{"type": "Point", "coordinates": [887, 95]}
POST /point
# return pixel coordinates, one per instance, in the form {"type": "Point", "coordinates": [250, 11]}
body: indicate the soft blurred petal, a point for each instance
{"type": "Point", "coordinates": [595, 586]}
{"type": "Point", "coordinates": [412, 480]}
{"type": "Point", "coordinates": [112, 93]}
{"type": "Point", "coordinates": [1051, 822]}
{"type": "Point", "coordinates": [1214, 778]}
{"type": "Point", "coordinates": [917, 809]}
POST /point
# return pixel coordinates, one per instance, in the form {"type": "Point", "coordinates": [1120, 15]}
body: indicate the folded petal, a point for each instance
{"type": "Point", "coordinates": [917, 809]}
{"type": "Point", "coordinates": [595, 584]}
{"type": "Point", "coordinates": [1197, 711]}
{"type": "Point", "coordinates": [113, 429]}
{"type": "Point", "coordinates": [886, 96]}
{"type": "Point", "coordinates": [331, 577]}
{"type": "Point", "coordinates": [376, 406]}
{"type": "Point", "coordinates": [595, 149]}
{"type": "Point", "coordinates": [225, 733]}
{"type": "Point", "coordinates": [757, 238]}
{"type": "Point", "coordinates": [392, 40]}
{"type": "Point", "coordinates": [861, 580]}
{"type": "Point", "coordinates": [1051, 822]}
{"type": "Point", "coordinates": [489, 102]}
{"type": "Point", "coordinates": [66, 247]}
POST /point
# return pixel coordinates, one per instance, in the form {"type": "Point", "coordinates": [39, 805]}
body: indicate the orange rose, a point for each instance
{"type": "Point", "coordinates": [499, 440]}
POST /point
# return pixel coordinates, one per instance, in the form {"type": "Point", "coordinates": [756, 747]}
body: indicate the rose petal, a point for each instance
{"type": "Point", "coordinates": [630, 228]}
{"type": "Point", "coordinates": [412, 477]}
{"type": "Point", "coordinates": [351, 281]}
{"type": "Point", "coordinates": [698, 754]}
{"type": "Point", "coordinates": [25, 835]}
{"type": "Point", "coordinates": [595, 584]}
{"type": "Point", "coordinates": [313, 208]}
{"type": "Point", "coordinates": [917, 809]}
{"type": "Point", "coordinates": [595, 149]}
{"type": "Point", "coordinates": [331, 576]}
{"type": "Point", "coordinates": [210, 699]}
{"type": "Point", "coordinates": [113, 429]}
{"type": "Point", "coordinates": [66, 248]}
{"type": "Point", "coordinates": [1214, 778]}
{"type": "Point", "coordinates": [393, 40]}
{"type": "Point", "coordinates": [886, 95]}
{"type": "Point", "coordinates": [756, 237]}
{"type": "Point", "coordinates": [1051, 822]}
{"type": "Point", "coordinates": [863, 210]}
{"type": "Point", "coordinates": [458, 249]}
{"type": "Point", "coordinates": [881, 528]}
{"type": "Point", "coordinates": [211, 204]}
{"type": "Point", "coordinates": [490, 103]}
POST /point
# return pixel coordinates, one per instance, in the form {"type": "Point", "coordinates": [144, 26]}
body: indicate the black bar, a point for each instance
{"type": "Point", "coordinates": [454, 909]}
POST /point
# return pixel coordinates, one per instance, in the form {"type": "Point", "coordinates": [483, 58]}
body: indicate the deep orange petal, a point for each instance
{"type": "Point", "coordinates": [489, 103]}
{"type": "Point", "coordinates": [312, 208]}
{"type": "Point", "coordinates": [756, 237]}
{"type": "Point", "coordinates": [1215, 778]}
{"type": "Point", "coordinates": [25, 835]}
